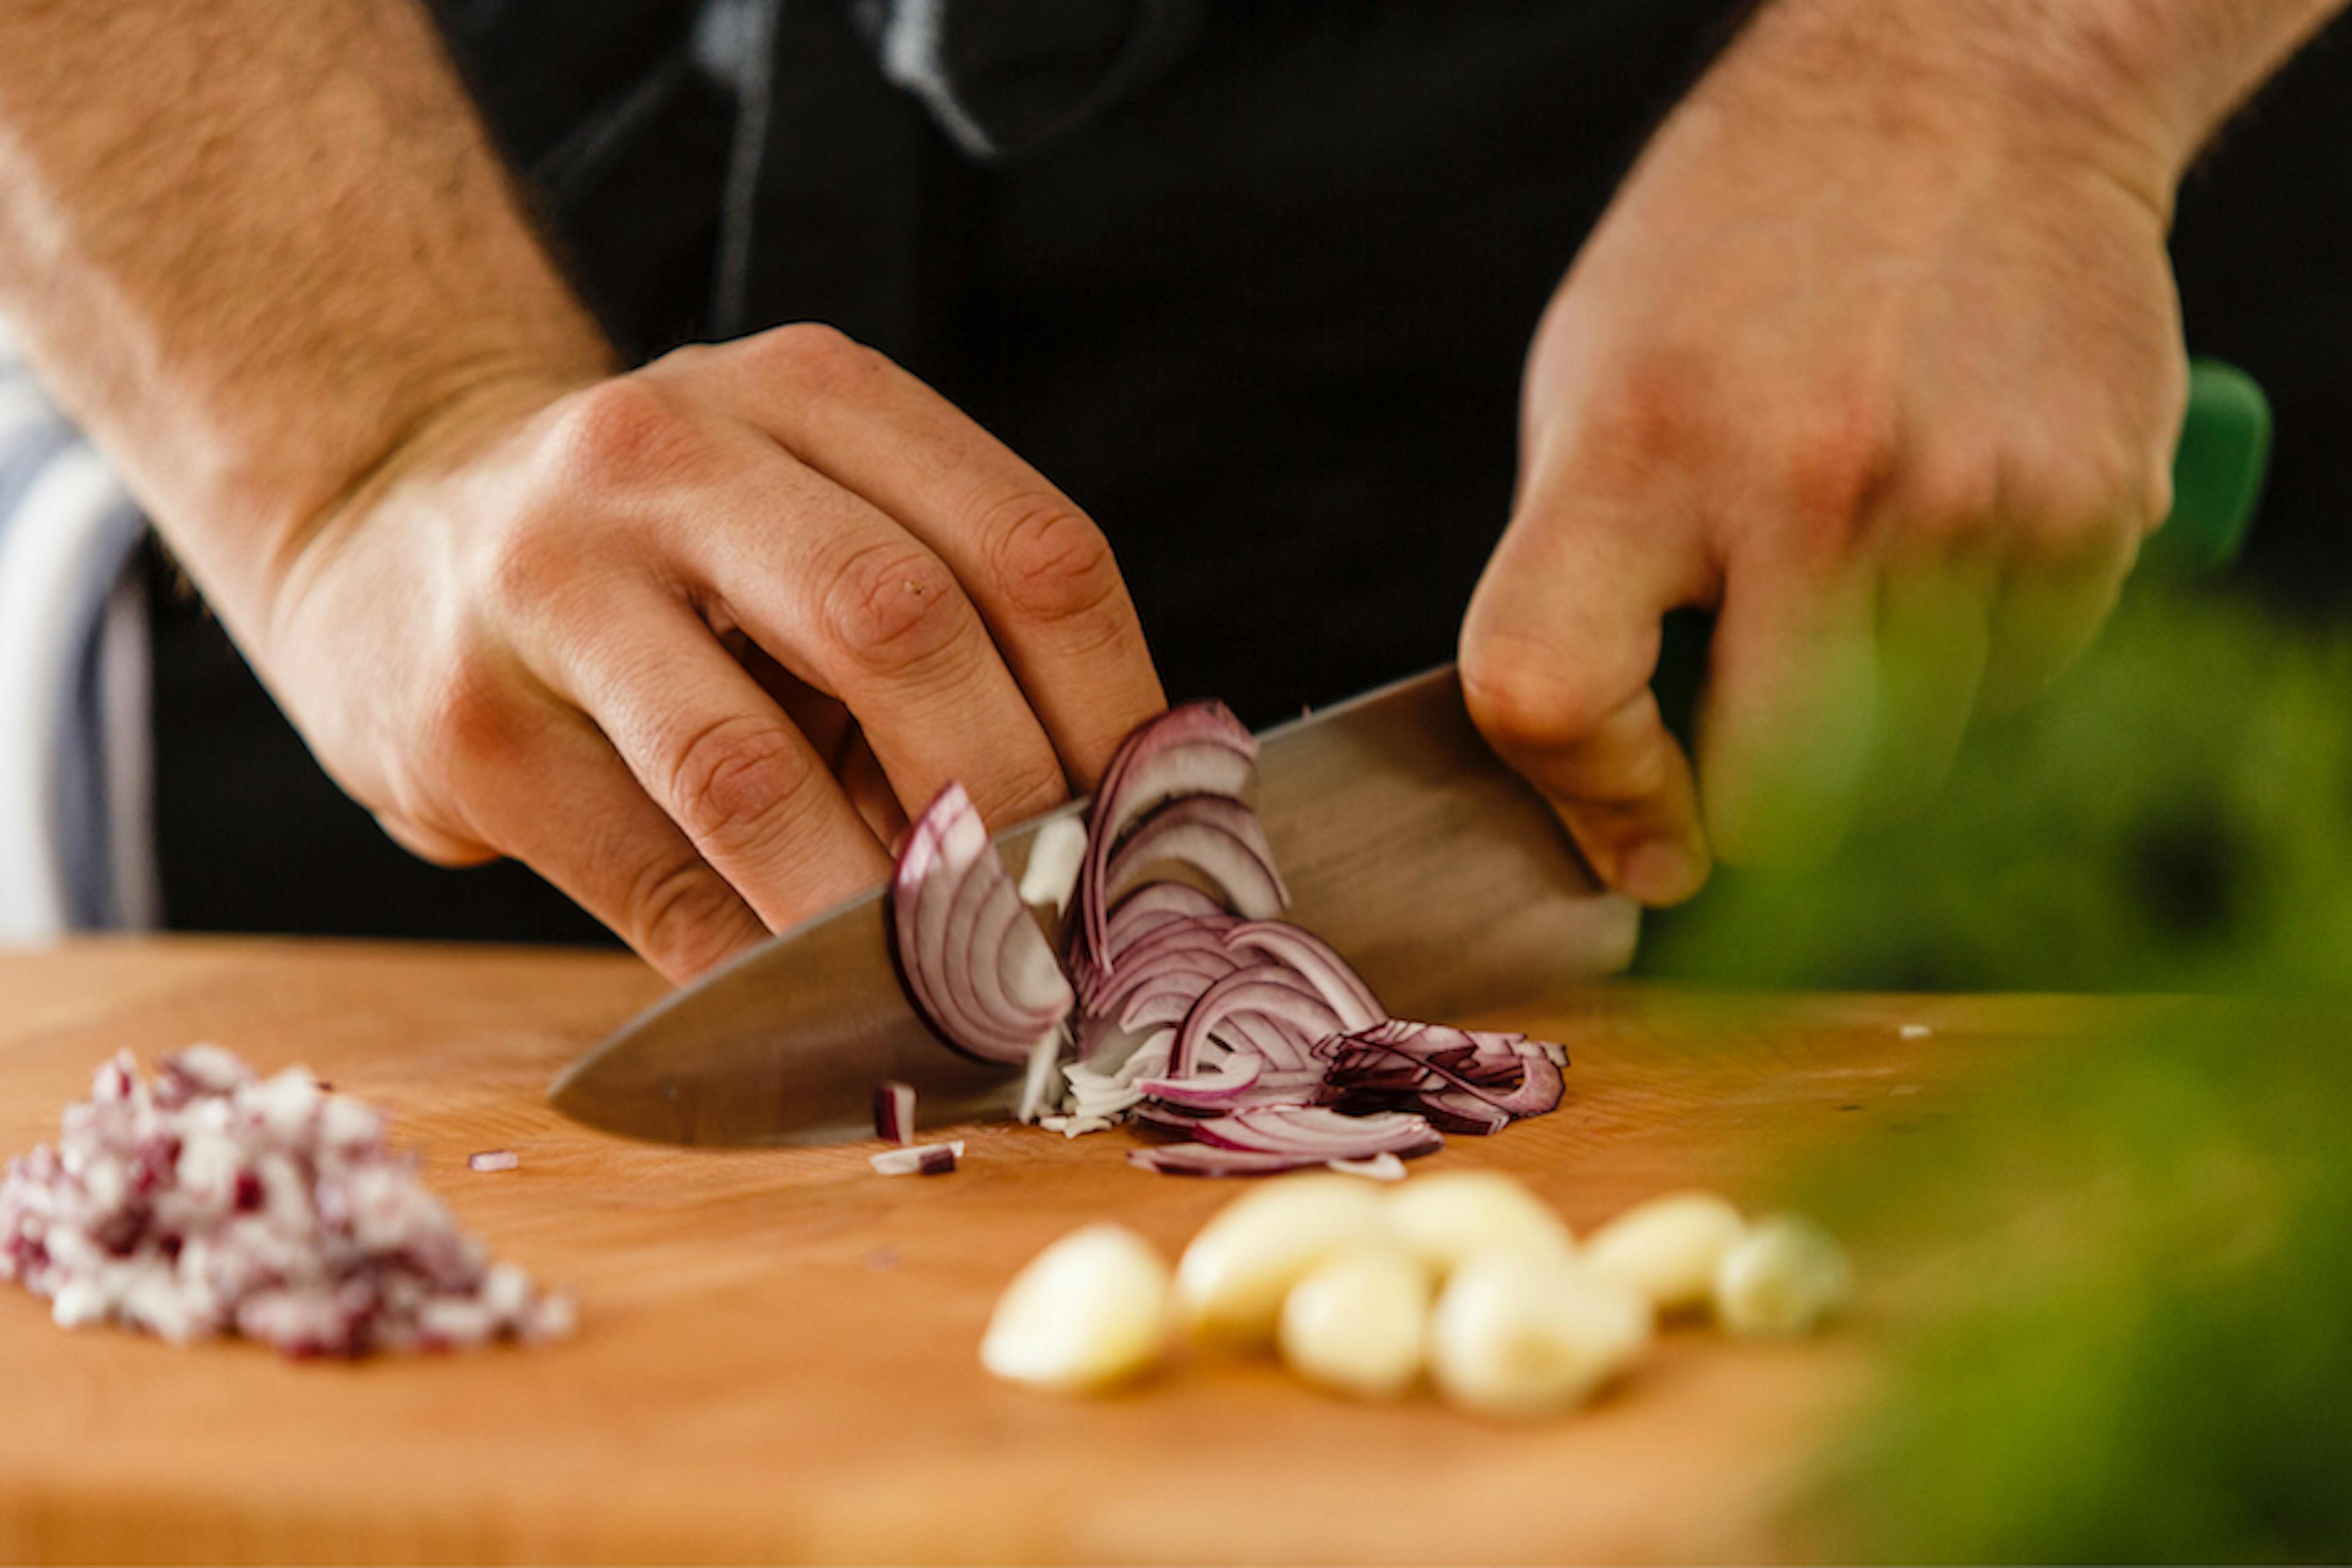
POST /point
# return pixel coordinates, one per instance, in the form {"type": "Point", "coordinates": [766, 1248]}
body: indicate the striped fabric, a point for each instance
{"type": "Point", "coordinates": [77, 840]}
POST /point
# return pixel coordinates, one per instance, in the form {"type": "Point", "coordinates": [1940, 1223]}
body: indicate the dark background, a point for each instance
{"type": "Point", "coordinates": [1264, 319]}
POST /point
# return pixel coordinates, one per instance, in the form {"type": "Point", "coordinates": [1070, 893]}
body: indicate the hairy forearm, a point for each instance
{"type": "Point", "coordinates": [251, 246]}
{"type": "Point", "coordinates": [2141, 84]}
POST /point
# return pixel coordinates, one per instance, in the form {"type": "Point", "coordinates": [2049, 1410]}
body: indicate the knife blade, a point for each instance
{"type": "Point", "coordinates": [1406, 843]}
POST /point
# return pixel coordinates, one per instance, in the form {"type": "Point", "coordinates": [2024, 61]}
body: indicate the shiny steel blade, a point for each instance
{"type": "Point", "coordinates": [1407, 845]}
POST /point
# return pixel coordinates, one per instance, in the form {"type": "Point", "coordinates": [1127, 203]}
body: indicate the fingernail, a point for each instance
{"type": "Point", "coordinates": [1661, 871]}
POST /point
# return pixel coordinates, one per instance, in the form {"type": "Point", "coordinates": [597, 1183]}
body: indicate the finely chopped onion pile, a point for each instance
{"type": "Point", "coordinates": [212, 1202]}
{"type": "Point", "coordinates": [1178, 1002]}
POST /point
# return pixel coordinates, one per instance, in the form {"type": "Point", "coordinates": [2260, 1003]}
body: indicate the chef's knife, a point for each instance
{"type": "Point", "coordinates": [1405, 843]}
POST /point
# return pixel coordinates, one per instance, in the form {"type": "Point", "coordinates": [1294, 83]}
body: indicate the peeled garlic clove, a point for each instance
{"type": "Point", "coordinates": [1358, 1323]}
{"type": "Point", "coordinates": [1520, 1334]}
{"type": "Point", "coordinates": [1233, 1278]}
{"type": "Point", "coordinates": [1668, 1248]}
{"type": "Point", "coordinates": [1784, 1278]}
{"type": "Point", "coordinates": [1089, 1311]}
{"type": "Point", "coordinates": [1448, 1219]}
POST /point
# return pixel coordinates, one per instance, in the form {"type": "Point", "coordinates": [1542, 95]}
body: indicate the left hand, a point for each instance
{"type": "Point", "coordinates": [1888, 376]}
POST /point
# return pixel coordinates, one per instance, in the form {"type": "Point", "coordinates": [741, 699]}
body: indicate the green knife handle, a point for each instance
{"type": "Point", "coordinates": [2216, 472]}
{"type": "Point", "coordinates": [2217, 478]}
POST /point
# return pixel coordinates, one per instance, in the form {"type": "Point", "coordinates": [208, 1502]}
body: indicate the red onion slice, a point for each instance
{"type": "Point", "coordinates": [1217, 1086]}
{"type": "Point", "coordinates": [493, 1160]}
{"type": "Point", "coordinates": [1458, 1110]}
{"type": "Point", "coordinates": [1148, 908]}
{"type": "Point", "coordinates": [1207, 1159]}
{"type": "Point", "coordinates": [1219, 838]}
{"type": "Point", "coordinates": [1002, 997]}
{"type": "Point", "coordinates": [1325, 1134]}
{"type": "Point", "coordinates": [1134, 783]}
{"type": "Point", "coordinates": [1311, 956]}
{"type": "Point", "coordinates": [1263, 989]}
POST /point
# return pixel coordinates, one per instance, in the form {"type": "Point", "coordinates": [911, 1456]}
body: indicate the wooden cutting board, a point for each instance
{"type": "Point", "coordinates": [776, 1357]}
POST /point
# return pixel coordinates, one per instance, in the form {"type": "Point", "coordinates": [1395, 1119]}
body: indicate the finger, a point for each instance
{"type": "Point", "coordinates": [1039, 570]}
{"type": "Point", "coordinates": [576, 816]}
{"type": "Point", "coordinates": [868, 788]}
{"type": "Point", "coordinates": [854, 605]}
{"type": "Point", "coordinates": [1932, 640]}
{"type": "Point", "coordinates": [715, 754]}
{"type": "Point", "coordinates": [1557, 654]}
{"type": "Point", "coordinates": [1788, 720]}
{"type": "Point", "coordinates": [2043, 618]}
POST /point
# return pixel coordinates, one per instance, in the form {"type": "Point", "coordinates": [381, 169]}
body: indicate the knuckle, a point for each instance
{"type": "Point", "coordinates": [471, 726]}
{"type": "Point", "coordinates": [1523, 698]}
{"type": "Point", "coordinates": [1023, 793]}
{"type": "Point", "coordinates": [739, 786]}
{"type": "Point", "coordinates": [1953, 495]}
{"type": "Point", "coordinates": [681, 916]}
{"type": "Point", "coordinates": [1836, 470]}
{"type": "Point", "coordinates": [895, 608]}
{"type": "Point", "coordinates": [2086, 506]}
{"type": "Point", "coordinates": [815, 355]}
{"type": "Point", "coordinates": [537, 560]}
{"type": "Point", "coordinates": [625, 432]}
{"type": "Point", "coordinates": [1053, 564]}
{"type": "Point", "coordinates": [1654, 421]}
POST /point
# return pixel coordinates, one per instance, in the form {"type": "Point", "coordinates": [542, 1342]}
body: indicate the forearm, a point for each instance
{"type": "Point", "coordinates": [2141, 84]}
{"type": "Point", "coordinates": [251, 247]}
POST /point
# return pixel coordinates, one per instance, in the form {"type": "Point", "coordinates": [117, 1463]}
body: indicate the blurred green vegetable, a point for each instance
{"type": "Point", "coordinates": [2118, 1281]}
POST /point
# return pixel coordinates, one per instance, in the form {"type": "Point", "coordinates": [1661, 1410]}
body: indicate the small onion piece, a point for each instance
{"type": "Point", "coordinates": [1379, 1168]}
{"type": "Point", "coordinates": [493, 1160]}
{"type": "Point", "coordinates": [921, 1160]}
{"type": "Point", "coordinates": [893, 1112]}
{"type": "Point", "coordinates": [1057, 853]}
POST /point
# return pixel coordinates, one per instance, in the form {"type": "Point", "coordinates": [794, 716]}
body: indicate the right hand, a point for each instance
{"type": "Point", "coordinates": [693, 642]}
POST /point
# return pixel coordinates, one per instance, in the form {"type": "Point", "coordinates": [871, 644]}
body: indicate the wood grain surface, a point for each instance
{"type": "Point", "coordinates": [776, 1357]}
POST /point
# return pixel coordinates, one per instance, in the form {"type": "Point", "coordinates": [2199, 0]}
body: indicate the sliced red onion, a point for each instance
{"type": "Point", "coordinates": [1153, 906]}
{"type": "Point", "coordinates": [1509, 1073]}
{"type": "Point", "coordinates": [1250, 1037]}
{"type": "Point", "coordinates": [1327, 1134]}
{"type": "Point", "coordinates": [211, 1201]}
{"type": "Point", "coordinates": [991, 987]}
{"type": "Point", "coordinates": [1218, 1087]}
{"type": "Point", "coordinates": [1219, 838]}
{"type": "Point", "coordinates": [1263, 989]}
{"type": "Point", "coordinates": [1458, 1110]}
{"type": "Point", "coordinates": [922, 1160]}
{"type": "Point", "coordinates": [1138, 780]}
{"type": "Point", "coordinates": [1311, 956]}
{"type": "Point", "coordinates": [1207, 1159]}
{"type": "Point", "coordinates": [893, 1112]}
